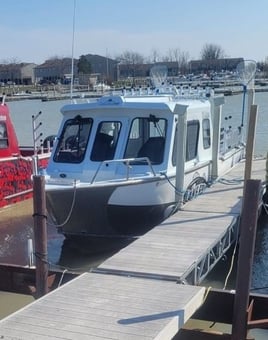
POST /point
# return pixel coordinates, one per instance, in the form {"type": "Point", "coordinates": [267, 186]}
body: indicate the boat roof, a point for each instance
{"type": "Point", "coordinates": [157, 101]}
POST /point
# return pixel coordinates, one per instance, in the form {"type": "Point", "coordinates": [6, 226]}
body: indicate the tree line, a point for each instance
{"type": "Point", "coordinates": [182, 58]}
{"type": "Point", "coordinates": [208, 52]}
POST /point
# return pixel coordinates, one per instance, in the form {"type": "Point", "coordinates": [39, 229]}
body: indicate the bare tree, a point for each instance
{"type": "Point", "coordinates": [130, 58]}
{"type": "Point", "coordinates": [172, 55]}
{"type": "Point", "coordinates": [180, 57]}
{"type": "Point", "coordinates": [212, 52]}
{"type": "Point", "coordinates": [132, 62]}
{"type": "Point", "coordinates": [183, 61]}
{"type": "Point", "coordinates": [12, 61]}
{"type": "Point", "coordinates": [155, 56]}
{"type": "Point", "coordinates": [263, 66]}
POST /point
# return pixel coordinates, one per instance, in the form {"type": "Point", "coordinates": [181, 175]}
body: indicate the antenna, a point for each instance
{"type": "Point", "coordinates": [72, 71]}
{"type": "Point", "coordinates": [246, 72]}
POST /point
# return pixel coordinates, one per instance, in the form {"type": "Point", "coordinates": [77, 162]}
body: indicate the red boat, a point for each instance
{"type": "Point", "coordinates": [17, 164]}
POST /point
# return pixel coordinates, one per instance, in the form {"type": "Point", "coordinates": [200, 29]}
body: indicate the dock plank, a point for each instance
{"type": "Point", "coordinates": [225, 195]}
{"type": "Point", "coordinates": [169, 249]}
{"type": "Point", "coordinates": [97, 306]}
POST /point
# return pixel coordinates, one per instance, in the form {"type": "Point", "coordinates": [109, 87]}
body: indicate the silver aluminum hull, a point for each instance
{"type": "Point", "coordinates": [95, 210]}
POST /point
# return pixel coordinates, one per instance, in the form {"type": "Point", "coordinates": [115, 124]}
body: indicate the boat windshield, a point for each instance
{"type": "Point", "coordinates": [73, 140]}
{"type": "Point", "coordinates": [105, 141]}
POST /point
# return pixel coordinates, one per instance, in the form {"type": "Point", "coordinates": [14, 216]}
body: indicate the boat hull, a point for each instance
{"type": "Point", "coordinates": [96, 210]}
{"type": "Point", "coordinates": [16, 178]}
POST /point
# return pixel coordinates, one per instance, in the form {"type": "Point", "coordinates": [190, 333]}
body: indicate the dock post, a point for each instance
{"type": "Point", "coordinates": [265, 198]}
{"type": "Point", "coordinates": [216, 108]}
{"type": "Point", "coordinates": [250, 140]}
{"type": "Point", "coordinates": [248, 227]}
{"type": "Point", "coordinates": [180, 153]}
{"type": "Point", "coordinates": [40, 235]}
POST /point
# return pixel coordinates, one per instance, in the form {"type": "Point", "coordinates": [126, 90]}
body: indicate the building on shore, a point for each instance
{"type": "Point", "coordinates": [105, 70]}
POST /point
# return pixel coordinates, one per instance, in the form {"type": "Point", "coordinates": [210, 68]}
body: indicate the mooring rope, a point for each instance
{"type": "Point", "coordinates": [70, 212]}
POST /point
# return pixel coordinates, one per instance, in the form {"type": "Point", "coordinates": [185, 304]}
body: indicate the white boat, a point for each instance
{"type": "Point", "coordinates": [101, 87]}
{"type": "Point", "coordinates": [124, 163]}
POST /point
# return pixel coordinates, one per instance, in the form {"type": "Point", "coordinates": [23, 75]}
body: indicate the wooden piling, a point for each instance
{"type": "Point", "coordinates": [40, 235]}
{"type": "Point", "coordinates": [250, 141]}
{"type": "Point", "coordinates": [248, 229]}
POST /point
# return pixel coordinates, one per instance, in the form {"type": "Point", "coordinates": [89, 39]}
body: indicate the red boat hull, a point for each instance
{"type": "Point", "coordinates": [16, 164]}
{"type": "Point", "coordinates": [16, 178]}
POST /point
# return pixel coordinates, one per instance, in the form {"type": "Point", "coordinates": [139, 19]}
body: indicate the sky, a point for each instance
{"type": "Point", "coordinates": [37, 30]}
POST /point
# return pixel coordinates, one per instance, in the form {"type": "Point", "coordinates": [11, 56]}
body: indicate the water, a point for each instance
{"type": "Point", "coordinates": [66, 254]}
{"type": "Point", "coordinates": [233, 107]}
{"type": "Point", "coordinates": [22, 112]}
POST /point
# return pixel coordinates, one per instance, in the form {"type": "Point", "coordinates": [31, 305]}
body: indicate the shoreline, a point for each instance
{"type": "Point", "coordinates": [50, 94]}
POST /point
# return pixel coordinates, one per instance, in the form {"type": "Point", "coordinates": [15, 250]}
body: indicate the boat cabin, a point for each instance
{"type": "Point", "coordinates": [8, 140]}
{"type": "Point", "coordinates": [95, 136]}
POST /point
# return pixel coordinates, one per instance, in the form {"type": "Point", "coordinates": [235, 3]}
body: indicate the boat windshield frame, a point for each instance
{"type": "Point", "coordinates": [72, 143]}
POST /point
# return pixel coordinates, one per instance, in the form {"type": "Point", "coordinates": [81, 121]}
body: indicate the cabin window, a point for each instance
{"type": "Point", "coordinates": [3, 136]}
{"type": "Point", "coordinates": [105, 141]}
{"type": "Point", "coordinates": [192, 139]}
{"type": "Point", "coordinates": [73, 140]}
{"type": "Point", "coordinates": [191, 142]}
{"type": "Point", "coordinates": [206, 133]}
{"type": "Point", "coordinates": [147, 139]}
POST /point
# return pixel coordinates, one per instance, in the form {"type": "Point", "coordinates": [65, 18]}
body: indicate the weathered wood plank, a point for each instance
{"type": "Point", "coordinates": [106, 307]}
{"type": "Point", "coordinates": [169, 249]}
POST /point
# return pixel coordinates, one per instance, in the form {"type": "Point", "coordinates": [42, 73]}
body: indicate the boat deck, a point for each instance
{"type": "Point", "coordinates": [143, 300]}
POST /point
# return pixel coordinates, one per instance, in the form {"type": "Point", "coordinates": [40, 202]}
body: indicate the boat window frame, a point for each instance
{"type": "Point", "coordinates": [191, 152]}
{"type": "Point", "coordinates": [188, 156]}
{"type": "Point", "coordinates": [206, 129]}
{"type": "Point", "coordinates": [145, 142]}
{"type": "Point", "coordinates": [71, 147]}
{"type": "Point", "coordinates": [105, 141]}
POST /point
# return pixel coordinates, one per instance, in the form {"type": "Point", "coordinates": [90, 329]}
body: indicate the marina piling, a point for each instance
{"type": "Point", "coordinates": [248, 228]}
{"type": "Point", "coordinates": [40, 235]}
{"type": "Point", "coordinates": [250, 140]}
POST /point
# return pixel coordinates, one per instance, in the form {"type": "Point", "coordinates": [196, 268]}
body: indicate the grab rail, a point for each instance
{"type": "Point", "coordinates": [127, 162]}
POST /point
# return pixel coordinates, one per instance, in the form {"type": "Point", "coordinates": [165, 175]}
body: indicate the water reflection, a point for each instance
{"type": "Point", "coordinates": [216, 278]}
{"type": "Point", "coordinates": [81, 254]}
{"type": "Point", "coordinates": [16, 227]}
{"type": "Point", "coordinates": [260, 264]}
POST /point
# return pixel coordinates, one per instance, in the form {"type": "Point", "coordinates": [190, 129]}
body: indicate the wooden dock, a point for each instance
{"type": "Point", "coordinates": [136, 294]}
{"type": "Point", "coordinates": [96, 306]}
{"type": "Point", "coordinates": [186, 246]}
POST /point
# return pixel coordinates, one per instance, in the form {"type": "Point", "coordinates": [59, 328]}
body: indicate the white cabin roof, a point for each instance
{"type": "Point", "coordinates": [163, 102]}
